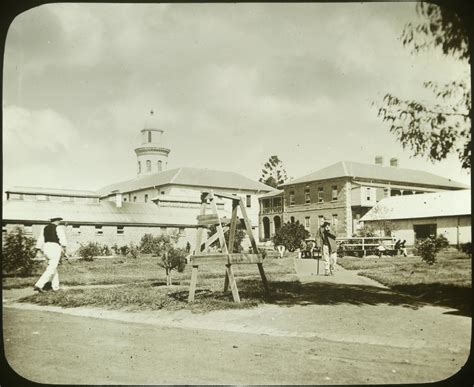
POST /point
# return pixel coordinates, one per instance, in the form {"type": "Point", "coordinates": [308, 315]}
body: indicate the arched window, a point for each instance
{"type": "Point", "coordinates": [266, 228]}
{"type": "Point", "coordinates": [139, 167]}
{"type": "Point", "coordinates": [292, 219]}
{"type": "Point", "coordinates": [148, 166]}
{"type": "Point", "coordinates": [277, 223]}
{"type": "Point", "coordinates": [149, 136]}
{"type": "Point", "coordinates": [160, 165]}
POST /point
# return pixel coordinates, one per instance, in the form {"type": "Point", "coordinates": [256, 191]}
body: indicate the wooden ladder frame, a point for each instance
{"type": "Point", "coordinates": [227, 256]}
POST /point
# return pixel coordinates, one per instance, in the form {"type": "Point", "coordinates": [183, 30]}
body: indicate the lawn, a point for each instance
{"type": "Point", "coordinates": [447, 282]}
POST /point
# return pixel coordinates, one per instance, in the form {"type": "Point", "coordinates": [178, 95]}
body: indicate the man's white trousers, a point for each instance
{"type": "Point", "coordinates": [330, 259]}
{"type": "Point", "coordinates": [53, 254]}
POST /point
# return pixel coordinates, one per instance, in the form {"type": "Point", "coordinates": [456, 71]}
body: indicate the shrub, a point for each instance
{"type": "Point", "coordinates": [115, 249]}
{"type": "Point", "coordinates": [173, 259]}
{"type": "Point", "coordinates": [466, 248]}
{"type": "Point", "coordinates": [429, 247]}
{"type": "Point", "coordinates": [239, 236]}
{"type": "Point", "coordinates": [124, 250]}
{"type": "Point", "coordinates": [89, 250]}
{"type": "Point", "coordinates": [133, 250]}
{"type": "Point", "coordinates": [290, 235]}
{"type": "Point", "coordinates": [18, 252]}
{"type": "Point", "coordinates": [157, 244]}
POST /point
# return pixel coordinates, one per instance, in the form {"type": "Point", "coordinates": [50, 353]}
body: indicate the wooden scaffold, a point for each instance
{"type": "Point", "coordinates": [227, 255]}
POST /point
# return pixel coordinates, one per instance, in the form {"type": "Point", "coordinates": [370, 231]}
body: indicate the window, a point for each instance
{"type": "Point", "coordinates": [15, 196]}
{"type": "Point", "coordinates": [134, 198]}
{"type": "Point", "coordinates": [306, 222]}
{"type": "Point", "coordinates": [76, 228]}
{"type": "Point", "coordinates": [139, 167]}
{"type": "Point", "coordinates": [320, 220]}
{"type": "Point", "coordinates": [307, 196]}
{"type": "Point", "coordinates": [292, 198]}
{"type": "Point", "coordinates": [120, 230]}
{"type": "Point", "coordinates": [320, 195]}
{"type": "Point", "coordinates": [292, 219]}
{"type": "Point", "coordinates": [181, 231]}
{"type": "Point", "coordinates": [160, 165]}
{"type": "Point", "coordinates": [368, 192]}
{"type": "Point", "coordinates": [334, 192]}
{"type": "Point", "coordinates": [4, 230]}
{"type": "Point", "coordinates": [41, 197]}
{"type": "Point", "coordinates": [162, 192]}
{"type": "Point", "coordinates": [149, 136]}
{"type": "Point", "coordinates": [146, 198]}
{"type": "Point", "coordinates": [334, 220]}
{"type": "Point", "coordinates": [124, 199]}
{"type": "Point", "coordinates": [248, 201]}
{"type": "Point", "coordinates": [98, 230]}
{"type": "Point", "coordinates": [148, 166]}
{"type": "Point", "coordinates": [266, 203]}
{"type": "Point", "coordinates": [28, 227]}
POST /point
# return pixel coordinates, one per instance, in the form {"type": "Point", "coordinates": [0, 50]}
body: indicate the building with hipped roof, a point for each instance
{"type": "Point", "coordinates": [416, 217]}
{"type": "Point", "coordinates": [157, 200]}
{"type": "Point", "coordinates": [343, 193]}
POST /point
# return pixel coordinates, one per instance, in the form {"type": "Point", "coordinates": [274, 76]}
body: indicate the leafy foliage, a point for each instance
{"type": "Point", "coordinates": [273, 172]}
{"type": "Point", "coordinates": [436, 129]}
{"type": "Point", "coordinates": [173, 259]}
{"type": "Point", "coordinates": [157, 244]}
{"type": "Point", "coordinates": [290, 235]}
{"type": "Point", "coordinates": [466, 248]}
{"type": "Point", "coordinates": [429, 247]}
{"type": "Point", "coordinates": [18, 252]}
{"type": "Point", "coordinates": [89, 250]}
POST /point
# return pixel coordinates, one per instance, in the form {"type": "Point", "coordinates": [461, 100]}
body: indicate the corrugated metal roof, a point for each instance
{"type": "Point", "coordinates": [276, 192]}
{"type": "Point", "coordinates": [104, 212]}
{"type": "Point", "coordinates": [188, 176]}
{"type": "Point", "coordinates": [437, 204]}
{"type": "Point", "coordinates": [377, 172]}
{"type": "Point", "coordinates": [52, 191]}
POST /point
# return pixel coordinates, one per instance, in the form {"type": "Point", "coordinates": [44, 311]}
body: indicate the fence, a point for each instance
{"type": "Point", "coordinates": [362, 246]}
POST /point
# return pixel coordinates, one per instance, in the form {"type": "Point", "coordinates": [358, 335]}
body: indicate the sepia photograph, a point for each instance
{"type": "Point", "coordinates": [236, 193]}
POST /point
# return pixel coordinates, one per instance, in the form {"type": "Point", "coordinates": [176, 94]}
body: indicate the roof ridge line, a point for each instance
{"type": "Point", "coordinates": [176, 175]}
{"type": "Point", "coordinates": [344, 168]}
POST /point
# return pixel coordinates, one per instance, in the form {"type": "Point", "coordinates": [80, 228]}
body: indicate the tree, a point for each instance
{"type": "Point", "coordinates": [173, 259]}
{"type": "Point", "coordinates": [18, 252]}
{"type": "Point", "coordinates": [429, 247]}
{"type": "Point", "coordinates": [290, 235]}
{"type": "Point", "coordinates": [273, 172]}
{"type": "Point", "coordinates": [442, 127]}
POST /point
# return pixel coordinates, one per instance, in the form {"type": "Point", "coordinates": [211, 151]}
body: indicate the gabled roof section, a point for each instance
{"type": "Point", "coordinates": [275, 192]}
{"type": "Point", "coordinates": [105, 212]}
{"type": "Point", "coordinates": [377, 172]}
{"type": "Point", "coordinates": [437, 204]}
{"type": "Point", "coordinates": [188, 176]}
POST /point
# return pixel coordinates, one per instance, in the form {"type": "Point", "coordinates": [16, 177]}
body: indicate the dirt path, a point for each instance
{"type": "Point", "coordinates": [59, 348]}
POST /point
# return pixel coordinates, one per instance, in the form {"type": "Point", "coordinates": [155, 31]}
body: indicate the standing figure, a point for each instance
{"type": "Point", "coordinates": [329, 247]}
{"type": "Point", "coordinates": [403, 248]}
{"type": "Point", "coordinates": [397, 247]}
{"type": "Point", "coordinates": [52, 241]}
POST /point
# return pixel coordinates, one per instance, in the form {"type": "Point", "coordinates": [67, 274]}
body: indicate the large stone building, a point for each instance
{"type": "Point", "coordinates": [343, 192]}
{"type": "Point", "coordinates": [157, 200]}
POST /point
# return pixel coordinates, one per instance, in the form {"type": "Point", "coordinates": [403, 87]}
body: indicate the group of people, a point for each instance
{"type": "Point", "coordinates": [401, 247]}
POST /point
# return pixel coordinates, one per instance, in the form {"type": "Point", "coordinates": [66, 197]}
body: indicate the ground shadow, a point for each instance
{"type": "Point", "coordinates": [293, 292]}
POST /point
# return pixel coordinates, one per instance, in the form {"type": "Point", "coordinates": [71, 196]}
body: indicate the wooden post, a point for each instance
{"type": "Point", "coordinates": [192, 288]}
{"type": "Point", "coordinates": [233, 284]}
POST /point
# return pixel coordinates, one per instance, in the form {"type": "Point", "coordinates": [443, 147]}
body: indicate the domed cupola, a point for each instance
{"type": "Point", "coordinates": [152, 156]}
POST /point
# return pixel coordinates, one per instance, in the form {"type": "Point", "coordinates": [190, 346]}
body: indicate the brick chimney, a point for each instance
{"type": "Point", "coordinates": [394, 162]}
{"type": "Point", "coordinates": [118, 199]}
{"type": "Point", "coordinates": [378, 160]}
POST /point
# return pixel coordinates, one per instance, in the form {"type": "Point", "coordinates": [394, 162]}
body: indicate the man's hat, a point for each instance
{"type": "Point", "coordinates": [326, 223]}
{"type": "Point", "coordinates": [53, 219]}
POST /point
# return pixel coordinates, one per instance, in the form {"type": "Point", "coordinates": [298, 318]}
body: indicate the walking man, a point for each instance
{"type": "Point", "coordinates": [52, 241]}
{"type": "Point", "coordinates": [329, 248]}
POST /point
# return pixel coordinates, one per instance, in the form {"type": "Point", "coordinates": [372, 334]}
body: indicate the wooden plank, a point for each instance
{"type": "Point", "coordinates": [235, 258]}
{"type": "Point", "coordinates": [197, 248]}
{"type": "Point", "coordinates": [205, 220]}
{"type": "Point", "coordinates": [248, 226]}
{"type": "Point", "coordinates": [213, 238]}
{"type": "Point", "coordinates": [192, 288]}
{"type": "Point", "coordinates": [264, 278]}
{"type": "Point", "coordinates": [233, 224]}
{"type": "Point", "coordinates": [227, 196]}
{"type": "Point", "coordinates": [233, 284]}
{"type": "Point", "coordinates": [220, 230]}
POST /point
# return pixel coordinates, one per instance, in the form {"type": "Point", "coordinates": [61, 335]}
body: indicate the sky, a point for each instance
{"type": "Point", "coordinates": [230, 84]}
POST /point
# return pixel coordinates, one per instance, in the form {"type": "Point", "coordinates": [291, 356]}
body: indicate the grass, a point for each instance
{"type": "Point", "coordinates": [447, 282]}
{"type": "Point", "coordinates": [140, 284]}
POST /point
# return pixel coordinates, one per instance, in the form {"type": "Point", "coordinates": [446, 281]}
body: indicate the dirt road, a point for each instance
{"type": "Point", "coordinates": [51, 347]}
